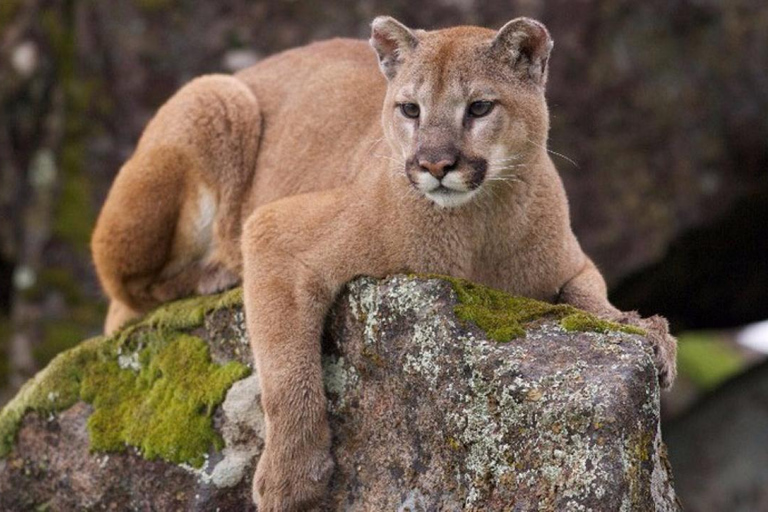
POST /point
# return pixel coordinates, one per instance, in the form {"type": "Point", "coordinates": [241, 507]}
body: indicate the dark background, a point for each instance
{"type": "Point", "coordinates": [660, 108]}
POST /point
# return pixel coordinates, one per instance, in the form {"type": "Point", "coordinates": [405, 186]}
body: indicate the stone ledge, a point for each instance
{"type": "Point", "coordinates": [428, 412]}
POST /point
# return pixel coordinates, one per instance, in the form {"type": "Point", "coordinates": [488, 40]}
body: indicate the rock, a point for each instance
{"type": "Point", "coordinates": [428, 410]}
{"type": "Point", "coordinates": [718, 448]}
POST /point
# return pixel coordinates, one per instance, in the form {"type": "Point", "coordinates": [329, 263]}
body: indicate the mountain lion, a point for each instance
{"type": "Point", "coordinates": [291, 178]}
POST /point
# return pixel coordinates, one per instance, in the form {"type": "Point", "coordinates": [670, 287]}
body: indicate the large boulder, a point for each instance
{"type": "Point", "coordinates": [443, 396]}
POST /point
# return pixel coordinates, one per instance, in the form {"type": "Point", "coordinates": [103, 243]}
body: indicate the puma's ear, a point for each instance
{"type": "Point", "coordinates": [525, 44]}
{"type": "Point", "coordinates": [392, 41]}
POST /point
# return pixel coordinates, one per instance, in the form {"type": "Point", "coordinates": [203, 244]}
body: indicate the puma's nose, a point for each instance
{"type": "Point", "coordinates": [437, 169]}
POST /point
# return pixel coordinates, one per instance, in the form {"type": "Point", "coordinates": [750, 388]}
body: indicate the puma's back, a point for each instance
{"type": "Point", "coordinates": [321, 111]}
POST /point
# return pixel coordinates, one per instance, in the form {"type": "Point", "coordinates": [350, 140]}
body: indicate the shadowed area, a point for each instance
{"type": "Point", "coordinates": [715, 276]}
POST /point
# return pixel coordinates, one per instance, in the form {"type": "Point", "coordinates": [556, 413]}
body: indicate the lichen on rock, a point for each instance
{"type": "Point", "coordinates": [427, 409]}
{"type": "Point", "coordinates": [555, 418]}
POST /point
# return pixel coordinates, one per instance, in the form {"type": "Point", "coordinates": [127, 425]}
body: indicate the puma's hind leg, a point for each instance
{"type": "Point", "coordinates": [170, 226]}
{"type": "Point", "coordinates": [118, 315]}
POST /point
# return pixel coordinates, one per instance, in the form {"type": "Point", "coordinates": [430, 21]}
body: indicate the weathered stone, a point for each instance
{"type": "Point", "coordinates": [427, 413]}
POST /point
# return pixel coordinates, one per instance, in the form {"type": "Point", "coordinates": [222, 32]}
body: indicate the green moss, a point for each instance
{"type": "Point", "coordinates": [162, 398]}
{"type": "Point", "coordinates": [504, 317]}
{"type": "Point", "coordinates": [55, 388]}
{"type": "Point", "coordinates": [189, 313]}
{"type": "Point", "coordinates": [453, 443]}
{"type": "Point", "coordinates": [705, 359]}
{"type": "Point", "coordinates": [165, 408]}
{"type": "Point", "coordinates": [581, 321]}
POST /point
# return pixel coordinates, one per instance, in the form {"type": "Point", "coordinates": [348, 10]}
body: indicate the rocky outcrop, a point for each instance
{"type": "Point", "coordinates": [436, 402]}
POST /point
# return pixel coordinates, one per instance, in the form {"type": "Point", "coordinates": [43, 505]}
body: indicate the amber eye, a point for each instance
{"type": "Point", "coordinates": [480, 108]}
{"type": "Point", "coordinates": [410, 110]}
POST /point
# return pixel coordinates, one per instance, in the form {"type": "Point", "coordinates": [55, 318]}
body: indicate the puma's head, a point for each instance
{"type": "Point", "coordinates": [464, 106]}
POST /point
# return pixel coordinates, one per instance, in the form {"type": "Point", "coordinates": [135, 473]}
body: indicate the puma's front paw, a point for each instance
{"type": "Point", "coordinates": [288, 479]}
{"type": "Point", "coordinates": [664, 344]}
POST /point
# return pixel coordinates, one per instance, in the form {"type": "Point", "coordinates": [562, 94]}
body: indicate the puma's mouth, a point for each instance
{"type": "Point", "coordinates": [442, 189]}
{"type": "Point", "coordinates": [449, 197]}
{"type": "Point", "coordinates": [448, 189]}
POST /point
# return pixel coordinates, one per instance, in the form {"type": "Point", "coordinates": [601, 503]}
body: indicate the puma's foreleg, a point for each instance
{"type": "Point", "coordinates": [587, 291]}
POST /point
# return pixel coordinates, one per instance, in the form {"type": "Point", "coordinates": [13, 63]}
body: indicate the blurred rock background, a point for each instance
{"type": "Point", "coordinates": [659, 108]}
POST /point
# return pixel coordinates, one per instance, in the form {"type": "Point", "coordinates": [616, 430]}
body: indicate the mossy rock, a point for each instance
{"type": "Point", "coordinates": [151, 386]}
{"type": "Point", "coordinates": [130, 397]}
{"type": "Point", "coordinates": [471, 399]}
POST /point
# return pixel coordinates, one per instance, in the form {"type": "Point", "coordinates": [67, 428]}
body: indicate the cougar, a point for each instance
{"type": "Point", "coordinates": [322, 163]}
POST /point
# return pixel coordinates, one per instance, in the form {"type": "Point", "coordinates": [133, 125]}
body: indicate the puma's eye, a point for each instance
{"type": "Point", "coordinates": [480, 108]}
{"type": "Point", "coordinates": [410, 110]}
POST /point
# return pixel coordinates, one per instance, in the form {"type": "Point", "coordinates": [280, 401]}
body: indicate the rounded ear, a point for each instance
{"type": "Point", "coordinates": [525, 44]}
{"type": "Point", "coordinates": [392, 41]}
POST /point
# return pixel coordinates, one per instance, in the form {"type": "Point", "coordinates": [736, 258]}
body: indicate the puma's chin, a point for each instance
{"type": "Point", "coordinates": [448, 197]}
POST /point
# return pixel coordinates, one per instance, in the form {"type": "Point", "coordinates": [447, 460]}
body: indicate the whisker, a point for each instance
{"type": "Point", "coordinates": [376, 141]}
{"type": "Point", "coordinates": [510, 159]}
{"type": "Point", "coordinates": [555, 153]}
{"type": "Point", "coordinates": [397, 161]}
{"type": "Point", "coordinates": [499, 170]}
{"type": "Point", "coordinates": [506, 178]}
{"type": "Point", "coordinates": [506, 166]}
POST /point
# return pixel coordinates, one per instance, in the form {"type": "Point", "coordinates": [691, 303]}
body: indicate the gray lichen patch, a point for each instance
{"type": "Point", "coordinates": [555, 420]}
{"type": "Point", "coordinates": [242, 430]}
{"type": "Point", "coordinates": [427, 361]}
{"type": "Point", "coordinates": [340, 379]}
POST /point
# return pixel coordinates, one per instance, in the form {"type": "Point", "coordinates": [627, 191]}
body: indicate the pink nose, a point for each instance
{"type": "Point", "coordinates": [437, 169]}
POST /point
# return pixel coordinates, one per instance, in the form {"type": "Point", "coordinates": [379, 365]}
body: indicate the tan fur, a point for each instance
{"type": "Point", "coordinates": [292, 176]}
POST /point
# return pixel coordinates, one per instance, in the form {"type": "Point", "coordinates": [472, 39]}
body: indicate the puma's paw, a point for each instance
{"type": "Point", "coordinates": [291, 482]}
{"type": "Point", "coordinates": [664, 349]}
{"type": "Point", "coordinates": [664, 344]}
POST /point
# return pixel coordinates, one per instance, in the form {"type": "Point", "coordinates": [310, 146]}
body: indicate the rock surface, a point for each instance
{"type": "Point", "coordinates": [428, 413]}
{"type": "Point", "coordinates": [718, 449]}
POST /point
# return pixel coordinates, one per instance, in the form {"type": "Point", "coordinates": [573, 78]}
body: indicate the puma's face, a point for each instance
{"type": "Point", "coordinates": [464, 106]}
